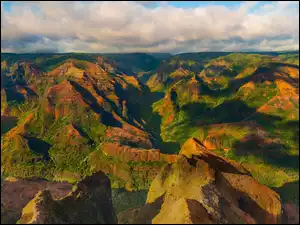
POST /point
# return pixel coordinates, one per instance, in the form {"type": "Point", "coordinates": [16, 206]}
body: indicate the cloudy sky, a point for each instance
{"type": "Point", "coordinates": [141, 26]}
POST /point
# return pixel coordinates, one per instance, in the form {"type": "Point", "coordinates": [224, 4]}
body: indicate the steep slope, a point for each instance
{"type": "Point", "coordinates": [69, 68]}
{"type": "Point", "coordinates": [23, 72]}
{"type": "Point", "coordinates": [202, 187]}
{"type": "Point", "coordinates": [17, 99]}
{"type": "Point", "coordinates": [77, 68]}
{"type": "Point", "coordinates": [89, 114]}
{"type": "Point", "coordinates": [16, 193]}
{"type": "Point", "coordinates": [23, 155]}
{"type": "Point", "coordinates": [178, 67]}
{"type": "Point", "coordinates": [220, 71]}
{"type": "Point", "coordinates": [198, 104]}
{"type": "Point", "coordinates": [252, 118]}
{"type": "Point", "coordinates": [18, 91]}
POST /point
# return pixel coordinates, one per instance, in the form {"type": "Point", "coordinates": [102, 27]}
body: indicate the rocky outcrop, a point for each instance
{"type": "Point", "coordinates": [105, 65]}
{"type": "Point", "coordinates": [202, 187]}
{"type": "Point", "coordinates": [61, 96]}
{"type": "Point", "coordinates": [89, 203]}
{"type": "Point", "coordinates": [18, 93]}
{"type": "Point", "coordinates": [67, 68]}
{"type": "Point", "coordinates": [129, 135]}
{"type": "Point", "coordinates": [16, 193]}
{"type": "Point", "coordinates": [127, 153]}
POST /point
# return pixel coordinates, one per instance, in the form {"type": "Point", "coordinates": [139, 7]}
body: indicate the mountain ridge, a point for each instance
{"type": "Point", "coordinates": [129, 115]}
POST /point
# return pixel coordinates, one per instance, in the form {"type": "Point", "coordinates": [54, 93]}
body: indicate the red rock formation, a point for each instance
{"type": "Point", "coordinates": [170, 158]}
{"type": "Point", "coordinates": [61, 96]}
{"type": "Point", "coordinates": [127, 153]}
{"type": "Point", "coordinates": [129, 134]}
{"type": "Point", "coordinates": [89, 202]}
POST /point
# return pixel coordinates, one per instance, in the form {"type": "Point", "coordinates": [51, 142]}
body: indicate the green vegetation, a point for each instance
{"type": "Point", "coordinates": [235, 103]}
{"type": "Point", "coordinates": [123, 200]}
{"type": "Point", "coordinates": [290, 58]}
{"type": "Point", "coordinates": [263, 93]}
{"type": "Point", "coordinates": [230, 101]}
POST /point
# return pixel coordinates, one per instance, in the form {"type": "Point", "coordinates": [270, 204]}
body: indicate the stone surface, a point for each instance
{"type": "Point", "coordinates": [89, 203]}
{"type": "Point", "coordinates": [16, 193]}
{"type": "Point", "coordinates": [202, 187]}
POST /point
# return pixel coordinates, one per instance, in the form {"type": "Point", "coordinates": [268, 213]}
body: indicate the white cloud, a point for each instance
{"type": "Point", "coordinates": [133, 26]}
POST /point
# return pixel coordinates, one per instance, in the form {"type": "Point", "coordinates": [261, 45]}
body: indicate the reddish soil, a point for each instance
{"type": "Point", "coordinates": [129, 134]}
{"type": "Point", "coordinates": [65, 95]}
{"type": "Point", "coordinates": [127, 153]}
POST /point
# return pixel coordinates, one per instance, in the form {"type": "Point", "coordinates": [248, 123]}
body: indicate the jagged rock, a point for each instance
{"type": "Point", "coordinates": [191, 147]}
{"type": "Point", "coordinates": [41, 210]}
{"type": "Point", "coordinates": [103, 63]}
{"type": "Point", "coordinates": [131, 135]}
{"type": "Point", "coordinates": [16, 193]}
{"type": "Point", "coordinates": [89, 203]}
{"type": "Point", "coordinates": [202, 187]}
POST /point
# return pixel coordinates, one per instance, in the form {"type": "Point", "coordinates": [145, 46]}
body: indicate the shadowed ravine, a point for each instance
{"type": "Point", "coordinates": [150, 138]}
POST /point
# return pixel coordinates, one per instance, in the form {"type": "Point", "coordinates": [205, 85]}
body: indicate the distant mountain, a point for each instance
{"type": "Point", "coordinates": [160, 56]}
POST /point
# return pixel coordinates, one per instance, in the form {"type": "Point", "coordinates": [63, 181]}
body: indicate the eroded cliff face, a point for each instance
{"type": "Point", "coordinates": [202, 187]}
{"type": "Point", "coordinates": [89, 203]}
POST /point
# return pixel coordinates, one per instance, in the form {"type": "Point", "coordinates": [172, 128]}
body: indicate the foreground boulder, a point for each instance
{"type": "Point", "coordinates": [89, 203]}
{"type": "Point", "coordinates": [202, 187]}
{"type": "Point", "coordinates": [17, 192]}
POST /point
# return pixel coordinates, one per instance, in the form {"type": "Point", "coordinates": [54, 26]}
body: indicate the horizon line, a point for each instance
{"type": "Point", "coordinates": [242, 51]}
